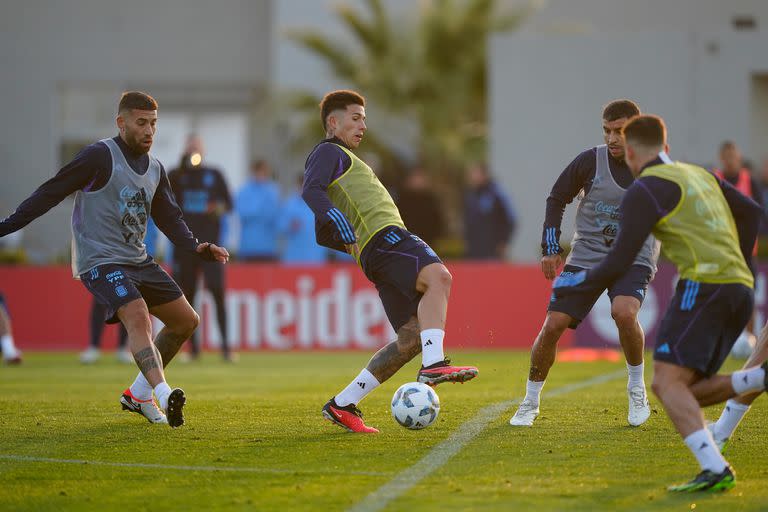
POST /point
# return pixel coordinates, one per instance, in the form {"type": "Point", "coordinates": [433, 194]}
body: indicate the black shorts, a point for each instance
{"type": "Point", "coordinates": [187, 266]}
{"type": "Point", "coordinates": [702, 324]}
{"type": "Point", "coordinates": [633, 283]}
{"type": "Point", "coordinates": [392, 261]}
{"type": "Point", "coordinates": [115, 285]}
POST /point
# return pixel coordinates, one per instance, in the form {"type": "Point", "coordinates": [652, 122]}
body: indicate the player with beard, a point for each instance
{"type": "Point", "coordinates": [600, 176]}
{"type": "Point", "coordinates": [117, 186]}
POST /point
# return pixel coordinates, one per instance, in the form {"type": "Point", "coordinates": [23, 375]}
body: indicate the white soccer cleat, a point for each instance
{"type": "Point", "coordinates": [720, 442]}
{"type": "Point", "coordinates": [639, 409]}
{"type": "Point", "coordinates": [147, 408]}
{"type": "Point", "coordinates": [90, 355]}
{"type": "Point", "coordinates": [12, 358]}
{"type": "Point", "coordinates": [525, 415]}
{"type": "Point", "coordinates": [124, 356]}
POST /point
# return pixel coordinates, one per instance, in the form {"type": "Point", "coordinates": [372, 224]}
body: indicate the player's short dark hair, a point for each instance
{"type": "Point", "coordinates": [136, 100]}
{"type": "Point", "coordinates": [338, 100]}
{"type": "Point", "coordinates": [618, 109]}
{"type": "Point", "coordinates": [726, 145]}
{"type": "Point", "coordinates": [645, 130]}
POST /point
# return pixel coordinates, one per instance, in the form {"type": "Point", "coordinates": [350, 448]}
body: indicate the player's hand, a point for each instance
{"type": "Point", "coordinates": [353, 250]}
{"type": "Point", "coordinates": [550, 265]}
{"type": "Point", "coordinates": [215, 253]}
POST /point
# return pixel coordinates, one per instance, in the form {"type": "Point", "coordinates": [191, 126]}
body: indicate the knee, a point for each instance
{"type": "Point", "coordinates": [659, 385]}
{"type": "Point", "coordinates": [135, 317]}
{"type": "Point", "coordinates": [443, 279]}
{"type": "Point", "coordinates": [188, 325]}
{"type": "Point", "coordinates": [624, 315]}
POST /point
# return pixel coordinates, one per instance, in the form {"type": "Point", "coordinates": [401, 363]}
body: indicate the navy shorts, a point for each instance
{"type": "Point", "coordinates": [392, 261]}
{"type": "Point", "coordinates": [115, 285]}
{"type": "Point", "coordinates": [702, 324]}
{"type": "Point", "coordinates": [634, 283]}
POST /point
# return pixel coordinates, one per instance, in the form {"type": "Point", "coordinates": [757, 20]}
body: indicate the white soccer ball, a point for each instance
{"type": "Point", "coordinates": [744, 346]}
{"type": "Point", "coordinates": [415, 405]}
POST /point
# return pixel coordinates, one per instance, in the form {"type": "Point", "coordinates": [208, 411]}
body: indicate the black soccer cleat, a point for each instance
{"type": "Point", "coordinates": [708, 481]}
{"type": "Point", "coordinates": [175, 410]}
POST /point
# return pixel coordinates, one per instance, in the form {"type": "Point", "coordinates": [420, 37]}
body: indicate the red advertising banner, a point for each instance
{"type": "Point", "coordinates": [273, 307]}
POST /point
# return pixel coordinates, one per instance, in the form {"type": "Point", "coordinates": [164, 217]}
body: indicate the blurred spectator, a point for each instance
{"type": "Point", "coordinates": [204, 198]}
{"type": "Point", "coordinates": [420, 207]}
{"type": "Point", "coordinates": [11, 355]}
{"type": "Point", "coordinates": [93, 352]}
{"type": "Point", "coordinates": [763, 183]}
{"type": "Point", "coordinates": [296, 227]}
{"type": "Point", "coordinates": [489, 218]}
{"type": "Point", "coordinates": [733, 171]}
{"type": "Point", "coordinates": [258, 207]}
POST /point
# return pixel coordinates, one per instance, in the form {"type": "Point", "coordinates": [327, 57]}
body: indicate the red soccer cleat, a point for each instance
{"type": "Point", "coordinates": [442, 371]}
{"type": "Point", "coordinates": [348, 417]}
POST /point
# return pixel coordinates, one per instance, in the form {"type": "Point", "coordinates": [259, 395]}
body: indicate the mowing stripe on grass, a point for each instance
{"type": "Point", "coordinates": [25, 458]}
{"type": "Point", "coordinates": [440, 454]}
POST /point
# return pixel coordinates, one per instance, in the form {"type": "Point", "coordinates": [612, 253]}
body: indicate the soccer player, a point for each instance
{"type": "Point", "coordinates": [601, 176]}
{"type": "Point", "coordinates": [355, 213]}
{"type": "Point", "coordinates": [735, 408]}
{"type": "Point", "coordinates": [707, 229]}
{"type": "Point", "coordinates": [11, 354]}
{"type": "Point", "coordinates": [117, 186]}
{"type": "Point", "coordinates": [203, 196]}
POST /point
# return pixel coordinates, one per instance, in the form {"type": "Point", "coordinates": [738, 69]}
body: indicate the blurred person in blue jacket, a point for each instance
{"type": "Point", "coordinates": [296, 227]}
{"type": "Point", "coordinates": [258, 206]}
{"type": "Point", "coordinates": [489, 218]}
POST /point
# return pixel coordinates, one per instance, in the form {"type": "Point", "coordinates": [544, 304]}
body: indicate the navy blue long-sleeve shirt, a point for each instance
{"type": "Point", "coordinates": [651, 198]}
{"type": "Point", "coordinates": [577, 176]}
{"type": "Point", "coordinates": [90, 171]}
{"type": "Point", "coordinates": [325, 163]}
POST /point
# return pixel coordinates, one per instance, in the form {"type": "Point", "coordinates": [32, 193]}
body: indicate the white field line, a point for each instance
{"type": "Point", "coordinates": [440, 454]}
{"type": "Point", "coordinates": [222, 469]}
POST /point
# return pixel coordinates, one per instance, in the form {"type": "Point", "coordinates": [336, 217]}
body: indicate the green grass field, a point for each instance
{"type": "Point", "coordinates": [258, 422]}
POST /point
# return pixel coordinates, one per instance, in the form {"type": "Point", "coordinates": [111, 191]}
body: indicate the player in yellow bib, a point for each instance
{"type": "Point", "coordinates": [354, 213]}
{"type": "Point", "coordinates": [693, 214]}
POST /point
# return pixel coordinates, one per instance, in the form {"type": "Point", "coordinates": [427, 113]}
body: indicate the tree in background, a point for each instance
{"type": "Point", "coordinates": [428, 70]}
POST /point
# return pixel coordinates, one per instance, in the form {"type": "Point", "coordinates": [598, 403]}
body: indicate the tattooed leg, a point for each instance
{"type": "Point", "coordinates": [135, 318]}
{"type": "Point", "coordinates": [180, 322]}
{"type": "Point", "coordinates": [393, 356]}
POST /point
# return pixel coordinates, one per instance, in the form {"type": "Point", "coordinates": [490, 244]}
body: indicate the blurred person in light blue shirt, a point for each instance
{"type": "Point", "coordinates": [296, 228]}
{"type": "Point", "coordinates": [258, 206]}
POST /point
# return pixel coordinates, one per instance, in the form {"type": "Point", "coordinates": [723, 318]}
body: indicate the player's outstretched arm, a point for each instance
{"type": "Point", "coordinates": [76, 175]}
{"type": "Point", "coordinates": [639, 214]}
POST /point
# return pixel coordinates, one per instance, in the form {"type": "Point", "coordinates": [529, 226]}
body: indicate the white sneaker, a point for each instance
{"type": "Point", "coordinates": [147, 408]}
{"type": "Point", "coordinates": [721, 443]}
{"type": "Point", "coordinates": [124, 356]}
{"type": "Point", "coordinates": [526, 413]}
{"type": "Point", "coordinates": [639, 409]}
{"type": "Point", "coordinates": [12, 358]}
{"type": "Point", "coordinates": [90, 355]}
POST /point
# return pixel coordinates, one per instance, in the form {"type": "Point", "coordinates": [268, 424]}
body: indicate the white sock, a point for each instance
{"type": "Point", "coordinates": [141, 389]}
{"type": "Point", "coordinates": [703, 447]}
{"type": "Point", "coordinates": [162, 391]}
{"type": "Point", "coordinates": [729, 419]}
{"type": "Point", "coordinates": [432, 346]}
{"type": "Point", "coordinates": [357, 389]}
{"type": "Point", "coordinates": [635, 376]}
{"type": "Point", "coordinates": [7, 346]}
{"type": "Point", "coordinates": [533, 391]}
{"type": "Point", "coordinates": [752, 379]}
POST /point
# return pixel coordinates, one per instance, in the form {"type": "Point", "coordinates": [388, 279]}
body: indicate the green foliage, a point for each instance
{"type": "Point", "coordinates": [427, 68]}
